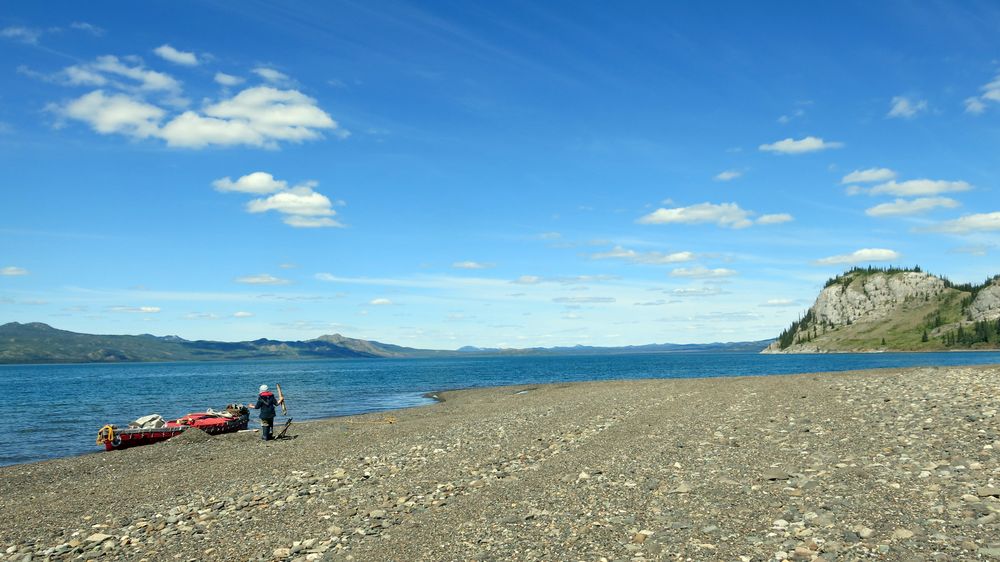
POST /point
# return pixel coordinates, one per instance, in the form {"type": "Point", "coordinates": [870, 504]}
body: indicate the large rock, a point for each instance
{"type": "Point", "coordinates": [872, 296]}
{"type": "Point", "coordinates": [986, 305]}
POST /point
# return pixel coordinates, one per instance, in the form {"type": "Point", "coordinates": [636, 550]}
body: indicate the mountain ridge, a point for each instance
{"type": "Point", "coordinates": [36, 342]}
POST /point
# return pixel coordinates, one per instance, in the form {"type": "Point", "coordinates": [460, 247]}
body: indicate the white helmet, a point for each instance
{"type": "Point", "coordinates": [263, 388]}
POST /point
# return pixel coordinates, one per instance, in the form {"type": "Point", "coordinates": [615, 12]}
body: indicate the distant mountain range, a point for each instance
{"type": "Point", "coordinates": [40, 343]}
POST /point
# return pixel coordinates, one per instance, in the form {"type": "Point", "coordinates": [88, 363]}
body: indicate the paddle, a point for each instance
{"type": "Point", "coordinates": [281, 400]}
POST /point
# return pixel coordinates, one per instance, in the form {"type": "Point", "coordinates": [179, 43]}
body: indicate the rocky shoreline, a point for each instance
{"type": "Point", "coordinates": [900, 464]}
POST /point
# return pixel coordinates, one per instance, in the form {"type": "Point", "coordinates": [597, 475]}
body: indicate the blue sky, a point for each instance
{"type": "Point", "coordinates": [494, 174]}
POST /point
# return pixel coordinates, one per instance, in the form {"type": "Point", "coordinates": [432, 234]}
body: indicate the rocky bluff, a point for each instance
{"type": "Point", "coordinates": [896, 310]}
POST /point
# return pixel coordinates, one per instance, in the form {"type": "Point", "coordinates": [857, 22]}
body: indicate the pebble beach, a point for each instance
{"type": "Point", "coordinates": [898, 464]}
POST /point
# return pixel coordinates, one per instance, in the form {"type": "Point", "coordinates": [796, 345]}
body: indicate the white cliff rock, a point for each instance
{"type": "Point", "coordinates": [986, 305]}
{"type": "Point", "coordinates": [872, 296]}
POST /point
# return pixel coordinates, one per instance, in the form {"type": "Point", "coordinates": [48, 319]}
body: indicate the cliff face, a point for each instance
{"type": "Point", "coordinates": [986, 305]}
{"type": "Point", "coordinates": [866, 310]}
{"type": "Point", "coordinates": [871, 297]}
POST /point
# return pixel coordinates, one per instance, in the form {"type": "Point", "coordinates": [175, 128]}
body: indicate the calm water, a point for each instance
{"type": "Point", "coordinates": [56, 410]}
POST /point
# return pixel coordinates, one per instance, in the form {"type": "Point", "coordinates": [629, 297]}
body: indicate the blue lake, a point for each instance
{"type": "Point", "coordinates": [56, 410]}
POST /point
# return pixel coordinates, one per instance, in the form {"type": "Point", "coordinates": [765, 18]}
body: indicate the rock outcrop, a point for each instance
{"type": "Point", "coordinates": [896, 310]}
{"type": "Point", "coordinates": [871, 297]}
{"type": "Point", "coordinates": [986, 305]}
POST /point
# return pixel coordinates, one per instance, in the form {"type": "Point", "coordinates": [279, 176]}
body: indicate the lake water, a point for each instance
{"type": "Point", "coordinates": [55, 410]}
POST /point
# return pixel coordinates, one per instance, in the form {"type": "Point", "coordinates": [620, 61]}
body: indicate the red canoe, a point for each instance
{"type": "Point", "coordinates": [235, 418]}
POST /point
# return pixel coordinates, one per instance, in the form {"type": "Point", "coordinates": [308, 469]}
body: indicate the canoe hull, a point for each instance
{"type": "Point", "coordinates": [213, 425]}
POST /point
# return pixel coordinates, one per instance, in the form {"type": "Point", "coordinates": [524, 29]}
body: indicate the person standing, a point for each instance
{"type": "Point", "coordinates": [265, 403]}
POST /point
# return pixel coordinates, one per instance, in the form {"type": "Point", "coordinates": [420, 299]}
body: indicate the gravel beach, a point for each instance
{"type": "Point", "coordinates": [899, 464]}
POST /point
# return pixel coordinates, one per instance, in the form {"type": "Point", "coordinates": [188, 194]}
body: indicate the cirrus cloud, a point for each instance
{"type": "Point", "coordinates": [702, 272]}
{"type": "Point", "coordinates": [13, 271]}
{"type": "Point", "coordinates": [618, 252]}
{"type": "Point", "coordinates": [471, 265]}
{"type": "Point", "coordinates": [262, 279]}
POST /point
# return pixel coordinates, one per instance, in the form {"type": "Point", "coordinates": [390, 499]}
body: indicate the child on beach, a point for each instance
{"type": "Point", "coordinates": [266, 403]}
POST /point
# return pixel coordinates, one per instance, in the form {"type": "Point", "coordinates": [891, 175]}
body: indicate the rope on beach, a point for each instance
{"type": "Point", "coordinates": [106, 434]}
{"type": "Point", "coordinates": [385, 419]}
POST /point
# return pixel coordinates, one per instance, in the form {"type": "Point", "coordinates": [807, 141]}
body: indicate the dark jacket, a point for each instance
{"type": "Point", "coordinates": [266, 403]}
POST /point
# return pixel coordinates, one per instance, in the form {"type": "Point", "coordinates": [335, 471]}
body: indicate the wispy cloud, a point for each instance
{"type": "Point", "coordinates": [726, 215]}
{"type": "Point", "coordinates": [870, 175]}
{"type": "Point", "coordinates": [471, 265]}
{"type": "Point", "coordinates": [727, 175]}
{"type": "Point", "coordinates": [88, 27]}
{"type": "Point", "coordinates": [801, 146]}
{"type": "Point", "coordinates": [584, 300]}
{"type": "Point", "coordinates": [905, 207]}
{"type": "Point", "coordinates": [183, 58]}
{"type": "Point", "coordinates": [863, 255]}
{"type": "Point", "coordinates": [271, 75]}
{"type": "Point", "coordinates": [903, 107]}
{"type": "Point", "coordinates": [262, 279]}
{"type": "Point", "coordinates": [979, 222]}
{"type": "Point", "coordinates": [779, 303]}
{"type": "Point", "coordinates": [990, 93]}
{"type": "Point", "coordinates": [23, 34]}
{"type": "Point", "coordinates": [654, 258]}
{"type": "Point", "coordinates": [228, 79]}
{"type": "Point", "coordinates": [380, 302]}
{"type": "Point", "coordinates": [920, 187]}
{"type": "Point", "coordinates": [242, 314]}
{"type": "Point", "coordinates": [136, 309]}
{"type": "Point", "coordinates": [13, 271]}
{"type": "Point", "coordinates": [702, 272]}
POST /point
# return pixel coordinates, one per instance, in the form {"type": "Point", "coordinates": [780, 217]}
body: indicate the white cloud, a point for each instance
{"type": "Point", "coordinates": [979, 222]}
{"type": "Point", "coordinates": [702, 272]}
{"type": "Point", "coordinates": [22, 34]}
{"type": "Point", "coordinates": [242, 314]}
{"type": "Point", "coordinates": [115, 113]}
{"type": "Point", "coordinates": [380, 302]}
{"type": "Point", "coordinates": [869, 176]}
{"type": "Point", "coordinates": [974, 106]}
{"type": "Point", "coordinates": [300, 200]}
{"type": "Point", "coordinates": [528, 280]}
{"type": "Point", "coordinates": [228, 79]}
{"type": "Point", "coordinates": [697, 292]}
{"type": "Point", "coordinates": [262, 279]}
{"type": "Point", "coordinates": [903, 107]}
{"type": "Point", "coordinates": [300, 221]}
{"type": "Point", "coordinates": [919, 187]}
{"type": "Point", "coordinates": [12, 271]}
{"type": "Point", "coordinates": [88, 27]}
{"type": "Point", "coordinates": [259, 116]}
{"type": "Point", "coordinates": [471, 265]}
{"type": "Point", "coordinates": [728, 215]}
{"type": "Point", "coordinates": [171, 54]}
{"type": "Point", "coordinates": [111, 66]}
{"type": "Point", "coordinates": [259, 183]}
{"type": "Point", "coordinates": [136, 309]}
{"type": "Point", "coordinates": [270, 74]}
{"type": "Point", "coordinates": [777, 218]}
{"type": "Point", "coordinates": [584, 300]}
{"type": "Point", "coordinates": [903, 207]}
{"type": "Point", "coordinates": [728, 175]}
{"type": "Point", "coordinates": [861, 256]}
{"type": "Point", "coordinates": [619, 252]}
{"type": "Point", "coordinates": [792, 146]}
{"type": "Point", "coordinates": [777, 303]}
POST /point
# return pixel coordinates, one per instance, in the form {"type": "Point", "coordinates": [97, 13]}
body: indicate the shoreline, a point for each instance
{"type": "Point", "coordinates": [891, 463]}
